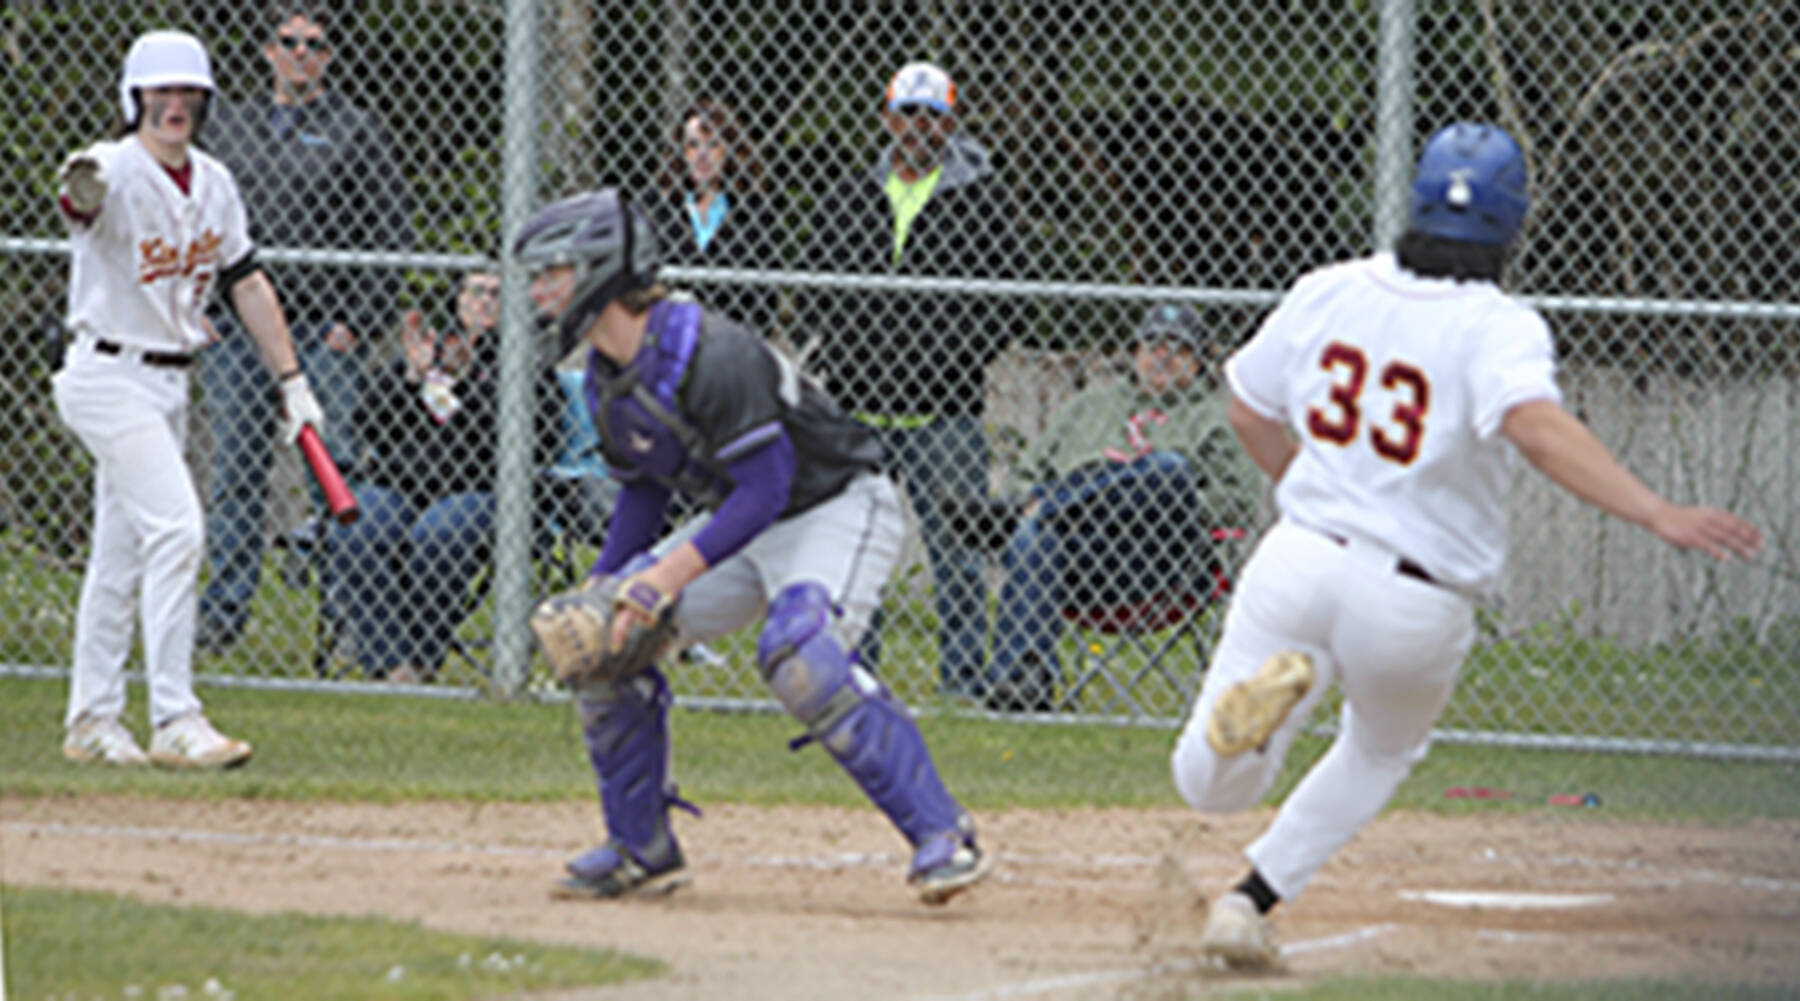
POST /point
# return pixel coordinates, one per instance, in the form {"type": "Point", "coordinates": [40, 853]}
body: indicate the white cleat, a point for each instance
{"type": "Point", "coordinates": [1238, 936]}
{"type": "Point", "coordinates": [1250, 712]}
{"type": "Point", "coordinates": [191, 742]}
{"type": "Point", "coordinates": [102, 738]}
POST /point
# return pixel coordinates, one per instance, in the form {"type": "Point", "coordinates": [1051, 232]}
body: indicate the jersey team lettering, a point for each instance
{"type": "Point", "coordinates": [157, 259]}
{"type": "Point", "coordinates": [1351, 369]}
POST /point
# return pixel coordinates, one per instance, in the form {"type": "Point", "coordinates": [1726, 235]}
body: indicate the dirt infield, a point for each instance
{"type": "Point", "coordinates": [802, 903]}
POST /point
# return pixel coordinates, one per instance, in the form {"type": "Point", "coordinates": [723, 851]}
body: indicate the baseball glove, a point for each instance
{"type": "Point", "coordinates": [574, 629]}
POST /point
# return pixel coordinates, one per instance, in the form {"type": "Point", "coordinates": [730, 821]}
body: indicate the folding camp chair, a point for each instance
{"type": "Point", "coordinates": [1143, 638]}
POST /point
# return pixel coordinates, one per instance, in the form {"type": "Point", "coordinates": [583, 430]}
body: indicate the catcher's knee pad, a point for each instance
{"type": "Point", "coordinates": [860, 723]}
{"type": "Point", "coordinates": [625, 725]}
{"type": "Point", "coordinates": [802, 662]}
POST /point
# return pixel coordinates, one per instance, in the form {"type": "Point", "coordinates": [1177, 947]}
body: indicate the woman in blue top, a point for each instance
{"type": "Point", "coordinates": [713, 212]}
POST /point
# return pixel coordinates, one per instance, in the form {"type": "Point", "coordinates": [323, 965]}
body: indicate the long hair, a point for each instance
{"type": "Point", "coordinates": [743, 169]}
{"type": "Point", "coordinates": [637, 301]}
{"type": "Point", "coordinates": [1435, 257]}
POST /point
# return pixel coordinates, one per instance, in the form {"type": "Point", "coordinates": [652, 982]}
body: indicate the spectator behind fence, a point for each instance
{"type": "Point", "coordinates": [402, 572]}
{"type": "Point", "coordinates": [714, 211]}
{"type": "Point", "coordinates": [317, 172]}
{"type": "Point", "coordinates": [1124, 487]}
{"type": "Point", "coordinates": [913, 366]}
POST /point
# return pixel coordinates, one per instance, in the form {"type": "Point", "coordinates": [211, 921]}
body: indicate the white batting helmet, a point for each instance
{"type": "Point", "coordinates": [163, 59]}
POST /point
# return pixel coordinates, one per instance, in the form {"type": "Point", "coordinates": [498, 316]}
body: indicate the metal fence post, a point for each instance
{"type": "Point", "coordinates": [1393, 118]}
{"type": "Point", "coordinates": [519, 355]}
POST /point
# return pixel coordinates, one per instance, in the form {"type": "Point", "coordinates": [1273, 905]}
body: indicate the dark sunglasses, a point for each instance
{"type": "Point", "coordinates": [919, 111]}
{"type": "Point", "coordinates": [292, 42]}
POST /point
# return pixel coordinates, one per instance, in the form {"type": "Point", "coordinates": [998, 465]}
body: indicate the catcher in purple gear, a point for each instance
{"type": "Point", "coordinates": [802, 531]}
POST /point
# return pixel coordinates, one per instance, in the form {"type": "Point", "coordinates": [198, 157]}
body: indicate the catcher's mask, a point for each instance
{"type": "Point", "coordinates": [1470, 185]}
{"type": "Point", "coordinates": [609, 242]}
{"type": "Point", "coordinates": [164, 59]}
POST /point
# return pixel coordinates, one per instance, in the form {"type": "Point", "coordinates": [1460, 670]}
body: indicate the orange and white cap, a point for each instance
{"type": "Point", "coordinates": [921, 85]}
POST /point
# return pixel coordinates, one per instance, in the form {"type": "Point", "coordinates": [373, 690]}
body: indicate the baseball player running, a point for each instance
{"type": "Point", "coordinates": [155, 227]}
{"type": "Point", "coordinates": [803, 532]}
{"type": "Point", "coordinates": [1385, 396]}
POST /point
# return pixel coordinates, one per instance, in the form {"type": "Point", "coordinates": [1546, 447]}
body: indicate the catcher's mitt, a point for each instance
{"type": "Point", "coordinates": [574, 629]}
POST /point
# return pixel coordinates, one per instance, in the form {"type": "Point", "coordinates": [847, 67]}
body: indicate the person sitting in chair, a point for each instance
{"type": "Point", "coordinates": [401, 573]}
{"type": "Point", "coordinates": [1124, 486]}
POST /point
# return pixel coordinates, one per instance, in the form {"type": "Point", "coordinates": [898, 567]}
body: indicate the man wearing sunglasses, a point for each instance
{"type": "Point", "coordinates": [913, 366]}
{"type": "Point", "coordinates": [316, 172]}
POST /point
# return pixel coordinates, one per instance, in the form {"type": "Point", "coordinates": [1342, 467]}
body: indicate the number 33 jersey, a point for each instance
{"type": "Point", "coordinates": [1395, 387]}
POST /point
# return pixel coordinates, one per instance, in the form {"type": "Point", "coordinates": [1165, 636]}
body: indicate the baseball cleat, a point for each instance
{"type": "Point", "coordinates": [102, 738]}
{"type": "Point", "coordinates": [611, 871]}
{"type": "Point", "coordinates": [1250, 712]}
{"type": "Point", "coordinates": [945, 865]}
{"type": "Point", "coordinates": [1238, 936]}
{"type": "Point", "coordinates": [189, 741]}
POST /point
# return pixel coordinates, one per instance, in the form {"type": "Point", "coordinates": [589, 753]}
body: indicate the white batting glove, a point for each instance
{"type": "Point", "coordinates": [299, 407]}
{"type": "Point", "coordinates": [82, 181]}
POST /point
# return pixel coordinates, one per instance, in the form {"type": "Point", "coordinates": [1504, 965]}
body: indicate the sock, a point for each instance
{"type": "Point", "coordinates": [1258, 891]}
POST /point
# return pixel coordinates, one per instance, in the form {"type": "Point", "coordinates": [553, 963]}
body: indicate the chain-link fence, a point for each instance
{"type": "Point", "coordinates": [1102, 161]}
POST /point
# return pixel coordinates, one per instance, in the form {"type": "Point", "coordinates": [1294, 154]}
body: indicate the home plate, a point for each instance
{"type": "Point", "coordinates": [1507, 901]}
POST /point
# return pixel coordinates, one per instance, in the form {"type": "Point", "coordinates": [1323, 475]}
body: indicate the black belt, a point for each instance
{"type": "Point", "coordinates": [156, 359]}
{"type": "Point", "coordinates": [1406, 567]}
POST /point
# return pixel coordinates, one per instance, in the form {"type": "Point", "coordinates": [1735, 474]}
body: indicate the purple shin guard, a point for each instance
{"type": "Point", "coordinates": [625, 726]}
{"type": "Point", "coordinates": [860, 723]}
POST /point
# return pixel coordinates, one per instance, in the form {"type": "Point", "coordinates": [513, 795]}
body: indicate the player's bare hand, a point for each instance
{"type": "Point", "coordinates": [340, 339]}
{"type": "Point", "coordinates": [82, 181]}
{"type": "Point", "coordinates": [1720, 534]}
{"type": "Point", "coordinates": [626, 618]}
{"type": "Point", "coordinates": [419, 341]}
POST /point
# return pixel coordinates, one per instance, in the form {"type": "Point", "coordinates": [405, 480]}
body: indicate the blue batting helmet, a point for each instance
{"type": "Point", "coordinates": [608, 240]}
{"type": "Point", "coordinates": [1470, 185]}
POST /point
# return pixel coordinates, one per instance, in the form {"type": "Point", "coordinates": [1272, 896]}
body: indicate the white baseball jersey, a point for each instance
{"type": "Point", "coordinates": [1395, 386]}
{"type": "Point", "coordinates": [142, 270]}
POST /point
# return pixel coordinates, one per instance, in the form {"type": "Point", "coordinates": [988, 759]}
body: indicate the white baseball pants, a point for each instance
{"type": "Point", "coordinates": [1395, 644]}
{"type": "Point", "coordinates": [848, 544]}
{"type": "Point", "coordinates": [149, 531]}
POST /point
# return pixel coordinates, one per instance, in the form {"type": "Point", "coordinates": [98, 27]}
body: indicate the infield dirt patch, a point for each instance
{"type": "Point", "coordinates": [805, 902]}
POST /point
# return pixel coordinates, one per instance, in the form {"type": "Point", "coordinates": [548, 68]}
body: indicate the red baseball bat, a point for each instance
{"type": "Point", "coordinates": [337, 493]}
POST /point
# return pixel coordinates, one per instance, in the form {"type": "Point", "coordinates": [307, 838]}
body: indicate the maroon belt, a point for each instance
{"type": "Point", "coordinates": [1406, 567]}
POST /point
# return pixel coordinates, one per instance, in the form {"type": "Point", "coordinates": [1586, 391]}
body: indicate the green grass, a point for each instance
{"type": "Point", "coordinates": [1728, 688]}
{"type": "Point", "coordinates": [386, 748]}
{"type": "Point", "coordinates": [66, 944]}
{"type": "Point", "coordinates": [1733, 687]}
{"type": "Point", "coordinates": [79, 945]}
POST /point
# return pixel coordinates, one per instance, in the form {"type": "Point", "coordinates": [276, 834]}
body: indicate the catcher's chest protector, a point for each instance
{"type": "Point", "coordinates": [637, 411]}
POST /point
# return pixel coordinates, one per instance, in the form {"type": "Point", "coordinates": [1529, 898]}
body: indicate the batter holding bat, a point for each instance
{"type": "Point", "coordinates": [1386, 397]}
{"type": "Point", "coordinates": [803, 533]}
{"type": "Point", "coordinates": [156, 226]}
